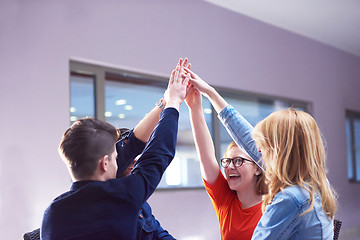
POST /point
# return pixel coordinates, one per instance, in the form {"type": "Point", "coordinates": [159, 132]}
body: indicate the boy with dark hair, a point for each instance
{"type": "Point", "coordinates": [99, 206]}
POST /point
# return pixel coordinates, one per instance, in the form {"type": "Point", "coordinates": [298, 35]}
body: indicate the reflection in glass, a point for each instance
{"type": "Point", "coordinates": [357, 147]}
{"type": "Point", "coordinates": [349, 149]}
{"type": "Point", "coordinates": [127, 103]}
{"type": "Point", "coordinates": [82, 97]}
{"type": "Point", "coordinates": [128, 97]}
{"type": "Point", "coordinates": [254, 110]}
{"type": "Point", "coordinates": [352, 128]}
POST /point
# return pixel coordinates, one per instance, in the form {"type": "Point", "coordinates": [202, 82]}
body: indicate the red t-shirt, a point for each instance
{"type": "Point", "coordinates": [235, 222]}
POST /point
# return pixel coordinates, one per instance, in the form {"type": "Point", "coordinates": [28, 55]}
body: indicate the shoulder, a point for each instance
{"type": "Point", "coordinates": [283, 210]}
{"type": "Point", "coordinates": [288, 199]}
{"type": "Point", "coordinates": [219, 187]}
{"type": "Point", "coordinates": [220, 193]}
{"type": "Point", "coordinates": [299, 195]}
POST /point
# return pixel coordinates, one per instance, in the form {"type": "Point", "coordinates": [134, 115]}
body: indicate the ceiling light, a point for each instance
{"type": "Point", "coordinates": [128, 107]}
{"type": "Point", "coordinates": [207, 110]}
{"type": "Point", "coordinates": [73, 118]}
{"type": "Point", "coordinates": [72, 109]}
{"type": "Point", "coordinates": [108, 114]}
{"type": "Point", "coordinates": [121, 115]}
{"type": "Point", "coordinates": [120, 102]}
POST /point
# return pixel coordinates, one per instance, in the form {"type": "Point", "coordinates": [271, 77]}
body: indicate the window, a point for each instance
{"type": "Point", "coordinates": [122, 98]}
{"type": "Point", "coordinates": [254, 109]}
{"type": "Point", "coordinates": [82, 99]}
{"type": "Point", "coordinates": [353, 145]}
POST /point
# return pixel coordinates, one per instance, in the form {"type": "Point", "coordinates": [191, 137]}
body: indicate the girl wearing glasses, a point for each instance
{"type": "Point", "coordinates": [237, 196]}
{"type": "Point", "coordinates": [301, 203]}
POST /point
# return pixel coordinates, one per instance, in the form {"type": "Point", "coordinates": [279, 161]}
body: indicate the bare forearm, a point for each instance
{"type": "Point", "coordinates": [218, 102]}
{"type": "Point", "coordinates": [146, 126]}
{"type": "Point", "coordinates": [204, 146]}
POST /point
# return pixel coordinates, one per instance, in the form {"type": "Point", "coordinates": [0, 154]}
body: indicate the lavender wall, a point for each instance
{"type": "Point", "coordinates": [37, 39]}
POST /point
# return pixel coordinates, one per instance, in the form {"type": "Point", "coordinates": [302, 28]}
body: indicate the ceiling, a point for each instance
{"type": "Point", "coordinates": [332, 22]}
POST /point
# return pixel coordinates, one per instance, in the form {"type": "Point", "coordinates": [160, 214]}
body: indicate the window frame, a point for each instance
{"type": "Point", "coordinates": [351, 116]}
{"type": "Point", "coordinates": [103, 72]}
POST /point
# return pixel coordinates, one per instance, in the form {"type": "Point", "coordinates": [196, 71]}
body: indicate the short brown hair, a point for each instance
{"type": "Point", "coordinates": [84, 143]}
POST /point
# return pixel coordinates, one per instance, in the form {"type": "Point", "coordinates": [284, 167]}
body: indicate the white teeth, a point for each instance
{"type": "Point", "coordinates": [233, 175]}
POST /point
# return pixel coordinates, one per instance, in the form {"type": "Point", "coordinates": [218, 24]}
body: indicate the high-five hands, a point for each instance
{"type": "Point", "coordinates": [177, 87]}
{"type": "Point", "coordinates": [193, 98]}
{"type": "Point", "coordinates": [217, 101]}
{"type": "Point", "coordinates": [197, 82]}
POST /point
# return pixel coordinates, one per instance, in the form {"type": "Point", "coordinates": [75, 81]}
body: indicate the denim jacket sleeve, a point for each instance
{"type": "Point", "coordinates": [279, 219]}
{"type": "Point", "coordinates": [240, 130]}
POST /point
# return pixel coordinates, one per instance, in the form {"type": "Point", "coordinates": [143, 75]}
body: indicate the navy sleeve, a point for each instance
{"type": "Point", "coordinates": [158, 153]}
{"type": "Point", "coordinates": [160, 233]}
{"type": "Point", "coordinates": [127, 149]}
{"type": "Point", "coordinates": [148, 227]}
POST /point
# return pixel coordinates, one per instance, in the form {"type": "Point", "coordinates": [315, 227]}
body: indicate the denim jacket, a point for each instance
{"type": "Point", "coordinates": [240, 130]}
{"type": "Point", "coordinates": [282, 219]}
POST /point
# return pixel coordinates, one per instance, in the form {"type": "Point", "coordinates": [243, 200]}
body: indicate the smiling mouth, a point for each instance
{"type": "Point", "coordinates": [233, 176]}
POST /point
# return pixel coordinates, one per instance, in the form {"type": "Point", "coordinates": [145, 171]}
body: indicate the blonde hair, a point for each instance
{"type": "Point", "coordinates": [261, 186]}
{"type": "Point", "coordinates": [294, 154]}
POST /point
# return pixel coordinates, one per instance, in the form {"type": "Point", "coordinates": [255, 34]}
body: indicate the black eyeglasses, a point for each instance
{"type": "Point", "coordinates": [123, 133]}
{"type": "Point", "coordinates": [237, 161]}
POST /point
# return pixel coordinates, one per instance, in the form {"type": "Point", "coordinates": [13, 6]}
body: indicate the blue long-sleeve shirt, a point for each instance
{"type": "Point", "coordinates": [148, 228]}
{"type": "Point", "coordinates": [109, 209]}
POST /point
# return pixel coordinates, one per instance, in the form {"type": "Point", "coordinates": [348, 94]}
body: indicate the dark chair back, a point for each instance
{"type": "Point", "coordinates": [337, 226]}
{"type": "Point", "coordinates": [34, 235]}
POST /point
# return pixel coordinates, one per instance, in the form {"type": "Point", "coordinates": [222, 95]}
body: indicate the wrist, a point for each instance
{"type": "Point", "coordinates": [173, 103]}
{"type": "Point", "coordinates": [195, 107]}
{"type": "Point", "coordinates": [161, 104]}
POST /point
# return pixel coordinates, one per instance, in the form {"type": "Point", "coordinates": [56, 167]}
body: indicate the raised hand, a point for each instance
{"type": "Point", "coordinates": [176, 91]}
{"type": "Point", "coordinates": [182, 63]}
{"type": "Point", "coordinates": [197, 82]}
{"type": "Point", "coordinates": [208, 91]}
{"type": "Point", "coordinates": [193, 98]}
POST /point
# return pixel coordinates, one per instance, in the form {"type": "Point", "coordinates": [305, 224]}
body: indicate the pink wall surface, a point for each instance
{"type": "Point", "coordinates": [38, 38]}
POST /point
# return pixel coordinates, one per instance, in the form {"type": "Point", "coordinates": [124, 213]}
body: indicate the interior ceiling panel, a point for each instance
{"type": "Point", "coordinates": [332, 22]}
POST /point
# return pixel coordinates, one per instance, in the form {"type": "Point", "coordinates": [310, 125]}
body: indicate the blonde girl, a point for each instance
{"type": "Point", "coordinates": [300, 203]}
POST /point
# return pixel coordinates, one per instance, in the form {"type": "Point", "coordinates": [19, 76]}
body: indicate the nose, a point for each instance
{"type": "Point", "coordinates": [231, 165]}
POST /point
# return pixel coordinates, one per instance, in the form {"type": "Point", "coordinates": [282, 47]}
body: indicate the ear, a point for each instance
{"type": "Point", "coordinates": [103, 163]}
{"type": "Point", "coordinates": [258, 170]}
